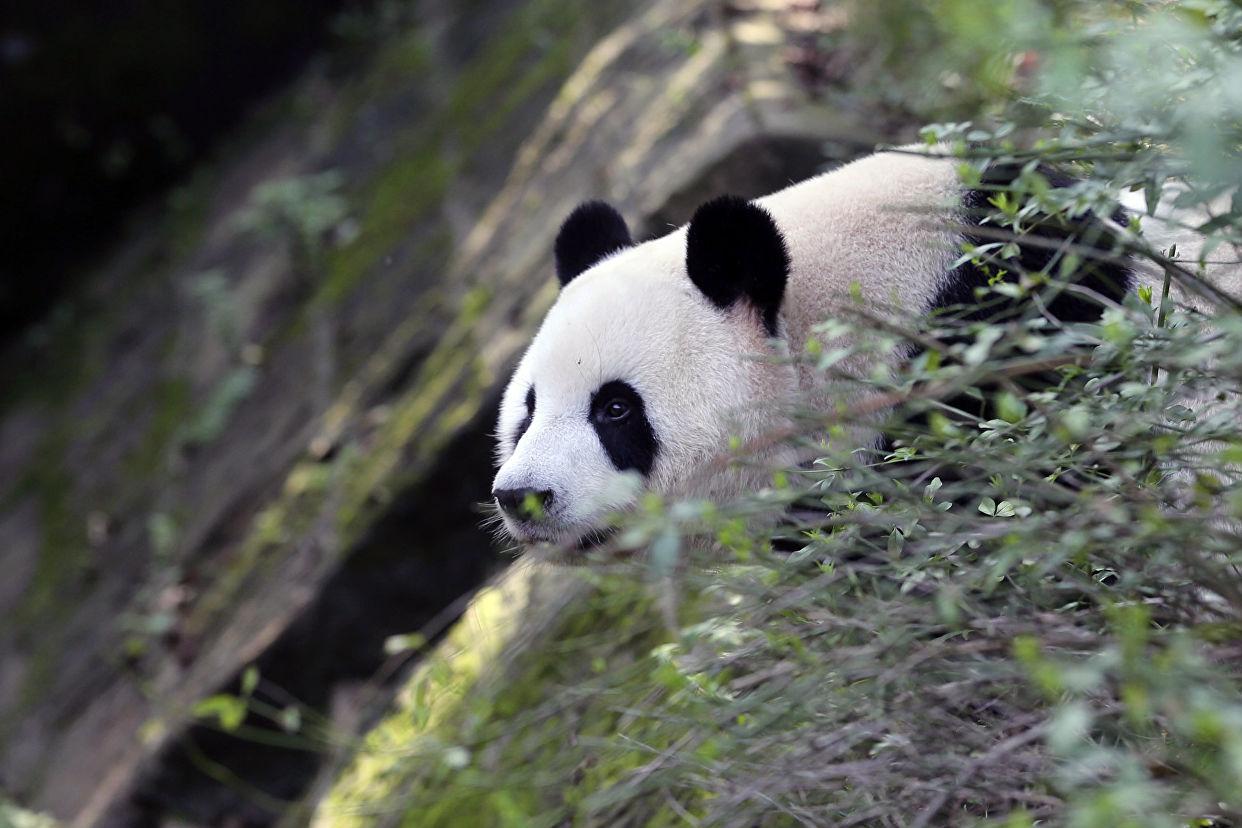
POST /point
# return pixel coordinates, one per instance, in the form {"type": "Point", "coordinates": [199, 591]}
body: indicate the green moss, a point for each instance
{"type": "Point", "coordinates": [504, 76]}
{"type": "Point", "coordinates": [402, 58]}
{"type": "Point", "coordinates": [474, 304]}
{"type": "Point", "coordinates": [275, 531]}
{"type": "Point", "coordinates": [51, 595]}
{"type": "Point", "coordinates": [63, 547]}
{"type": "Point", "coordinates": [394, 203]}
{"type": "Point", "coordinates": [56, 358]}
{"type": "Point", "coordinates": [555, 64]}
{"type": "Point", "coordinates": [443, 397]}
{"type": "Point", "coordinates": [171, 403]}
{"type": "Point", "coordinates": [542, 707]}
{"type": "Point", "coordinates": [535, 48]}
{"type": "Point", "coordinates": [438, 382]}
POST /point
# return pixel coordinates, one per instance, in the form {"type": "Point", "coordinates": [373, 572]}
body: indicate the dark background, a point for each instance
{"type": "Point", "coordinates": [106, 104]}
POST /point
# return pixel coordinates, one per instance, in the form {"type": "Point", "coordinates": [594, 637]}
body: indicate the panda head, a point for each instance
{"type": "Point", "coordinates": [643, 369]}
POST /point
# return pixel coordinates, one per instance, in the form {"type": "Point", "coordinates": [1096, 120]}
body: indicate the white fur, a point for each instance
{"type": "Point", "coordinates": [1167, 228]}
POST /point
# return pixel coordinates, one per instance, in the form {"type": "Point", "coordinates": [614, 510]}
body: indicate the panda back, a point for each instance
{"type": "Point", "coordinates": [891, 228]}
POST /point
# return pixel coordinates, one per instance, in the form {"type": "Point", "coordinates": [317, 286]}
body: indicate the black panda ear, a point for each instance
{"type": "Point", "coordinates": [735, 251]}
{"type": "Point", "coordinates": [592, 231]}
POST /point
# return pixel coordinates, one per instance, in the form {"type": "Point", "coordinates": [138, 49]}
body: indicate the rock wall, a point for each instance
{"type": "Point", "coordinates": [258, 435]}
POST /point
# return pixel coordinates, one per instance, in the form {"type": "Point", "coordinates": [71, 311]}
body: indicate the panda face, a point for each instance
{"type": "Point", "coordinates": [637, 378]}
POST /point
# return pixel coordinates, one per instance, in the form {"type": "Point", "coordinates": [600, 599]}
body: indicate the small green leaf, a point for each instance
{"type": "Point", "coordinates": [228, 710]}
{"type": "Point", "coordinates": [1010, 408]}
{"type": "Point", "coordinates": [982, 346]}
{"type": "Point", "coordinates": [664, 552]}
{"type": "Point", "coordinates": [456, 757]}
{"type": "Point", "coordinates": [1074, 425]}
{"type": "Point", "coordinates": [1151, 194]}
{"type": "Point", "coordinates": [396, 644]}
{"type": "Point", "coordinates": [1069, 727]}
{"type": "Point", "coordinates": [291, 719]}
{"type": "Point", "coordinates": [249, 680]}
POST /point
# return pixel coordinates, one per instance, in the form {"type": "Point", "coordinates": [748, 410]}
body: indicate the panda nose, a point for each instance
{"type": "Point", "coordinates": [515, 501]}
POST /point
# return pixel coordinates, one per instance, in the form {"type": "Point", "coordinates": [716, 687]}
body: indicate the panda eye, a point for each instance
{"type": "Point", "coordinates": [616, 405]}
{"type": "Point", "coordinates": [616, 410]}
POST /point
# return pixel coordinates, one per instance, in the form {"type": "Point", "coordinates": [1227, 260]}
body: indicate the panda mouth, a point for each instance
{"type": "Point", "coordinates": [594, 538]}
{"type": "Point", "coordinates": [584, 542]}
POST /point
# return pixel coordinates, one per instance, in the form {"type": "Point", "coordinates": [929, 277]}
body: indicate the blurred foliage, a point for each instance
{"type": "Point", "coordinates": [13, 817]}
{"type": "Point", "coordinates": [1027, 612]}
{"type": "Point", "coordinates": [302, 210]}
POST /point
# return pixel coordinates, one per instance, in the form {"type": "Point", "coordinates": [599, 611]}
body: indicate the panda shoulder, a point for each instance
{"type": "Point", "coordinates": [874, 178]}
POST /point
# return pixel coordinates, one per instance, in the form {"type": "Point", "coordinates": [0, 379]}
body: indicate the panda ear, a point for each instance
{"type": "Point", "coordinates": [735, 251]}
{"type": "Point", "coordinates": [592, 231]}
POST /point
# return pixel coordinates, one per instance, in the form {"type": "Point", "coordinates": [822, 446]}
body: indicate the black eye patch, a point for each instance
{"type": "Point", "coordinates": [620, 419]}
{"type": "Point", "coordinates": [530, 415]}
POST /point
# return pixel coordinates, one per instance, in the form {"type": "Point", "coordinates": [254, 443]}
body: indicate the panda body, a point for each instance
{"type": "Point", "coordinates": [644, 367]}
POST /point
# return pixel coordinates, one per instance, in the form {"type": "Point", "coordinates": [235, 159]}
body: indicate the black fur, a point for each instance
{"type": "Point", "coordinates": [1106, 276]}
{"type": "Point", "coordinates": [630, 441]}
{"type": "Point", "coordinates": [530, 415]}
{"type": "Point", "coordinates": [591, 232]}
{"type": "Point", "coordinates": [734, 250]}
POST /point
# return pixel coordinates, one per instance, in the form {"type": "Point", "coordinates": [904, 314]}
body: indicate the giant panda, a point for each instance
{"type": "Point", "coordinates": [644, 367]}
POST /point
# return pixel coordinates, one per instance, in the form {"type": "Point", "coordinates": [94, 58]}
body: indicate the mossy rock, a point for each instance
{"type": "Point", "coordinates": [544, 704]}
{"type": "Point", "coordinates": [457, 180]}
